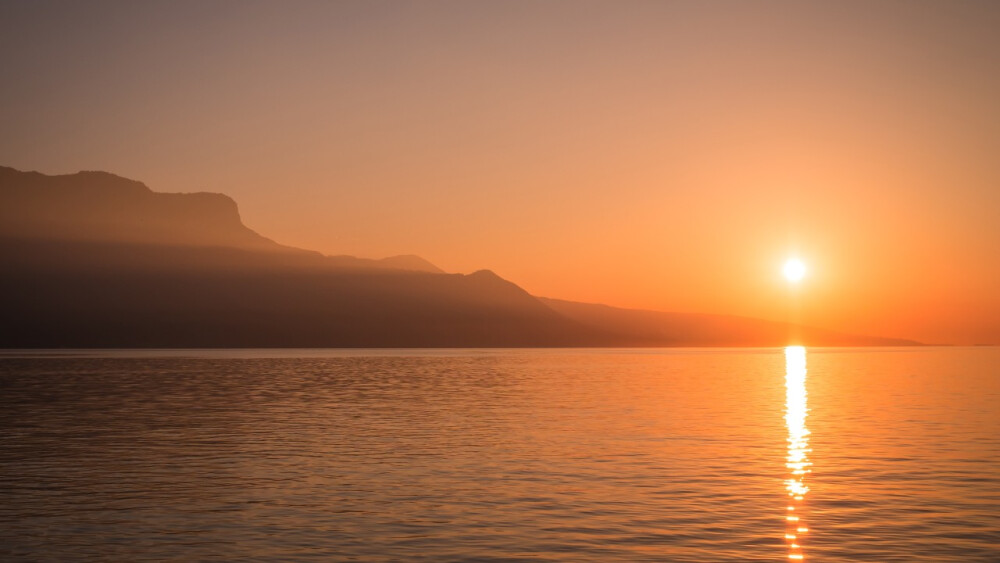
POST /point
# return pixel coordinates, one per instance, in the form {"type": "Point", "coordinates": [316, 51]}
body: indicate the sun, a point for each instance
{"type": "Point", "coordinates": [794, 270]}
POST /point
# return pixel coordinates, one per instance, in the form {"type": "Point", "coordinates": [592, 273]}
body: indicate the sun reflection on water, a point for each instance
{"type": "Point", "coordinates": [797, 461]}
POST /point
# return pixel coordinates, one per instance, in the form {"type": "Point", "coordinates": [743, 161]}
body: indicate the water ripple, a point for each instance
{"type": "Point", "coordinates": [554, 455]}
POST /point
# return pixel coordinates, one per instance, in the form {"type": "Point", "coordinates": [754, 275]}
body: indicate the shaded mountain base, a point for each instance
{"type": "Point", "coordinates": [98, 295]}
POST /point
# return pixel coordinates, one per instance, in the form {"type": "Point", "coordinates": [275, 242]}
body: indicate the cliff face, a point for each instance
{"type": "Point", "coordinates": [102, 207]}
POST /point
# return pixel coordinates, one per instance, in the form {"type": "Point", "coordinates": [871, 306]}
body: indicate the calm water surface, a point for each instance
{"type": "Point", "coordinates": [502, 455]}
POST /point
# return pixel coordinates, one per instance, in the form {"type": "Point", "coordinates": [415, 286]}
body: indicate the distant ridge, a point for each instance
{"type": "Point", "coordinates": [656, 328]}
{"type": "Point", "coordinates": [94, 260]}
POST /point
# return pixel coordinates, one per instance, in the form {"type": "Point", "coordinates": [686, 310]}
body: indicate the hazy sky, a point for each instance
{"type": "Point", "coordinates": [665, 155]}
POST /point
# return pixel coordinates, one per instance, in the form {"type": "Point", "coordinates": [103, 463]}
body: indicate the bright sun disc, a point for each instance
{"type": "Point", "coordinates": [794, 270]}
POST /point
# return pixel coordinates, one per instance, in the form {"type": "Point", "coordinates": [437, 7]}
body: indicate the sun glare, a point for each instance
{"type": "Point", "coordinates": [794, 270]}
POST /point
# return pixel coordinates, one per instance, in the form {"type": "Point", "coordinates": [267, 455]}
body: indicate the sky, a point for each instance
{"type": "Point", "coordinates": [657, 155]}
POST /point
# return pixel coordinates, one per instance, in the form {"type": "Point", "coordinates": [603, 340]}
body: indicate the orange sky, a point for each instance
{"type": "Point", "coordinates": [663, 155]}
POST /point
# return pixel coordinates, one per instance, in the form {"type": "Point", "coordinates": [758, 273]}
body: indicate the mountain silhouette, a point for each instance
{"type": "Point", "coordinates": [95, 260]}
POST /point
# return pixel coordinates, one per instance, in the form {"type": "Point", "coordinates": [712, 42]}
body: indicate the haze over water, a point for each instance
{"type": "Point", "coordinates": [503, 455]}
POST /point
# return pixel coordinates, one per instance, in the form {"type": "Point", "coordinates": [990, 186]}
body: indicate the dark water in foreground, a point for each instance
{"type": "Point", "coordinates": [594, 455]}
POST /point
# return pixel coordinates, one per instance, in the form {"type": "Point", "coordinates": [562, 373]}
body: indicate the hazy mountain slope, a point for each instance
{"type": "Point", "coordinates": [405, 262]}
{"type": "Point", "coordinates": [653, 328]}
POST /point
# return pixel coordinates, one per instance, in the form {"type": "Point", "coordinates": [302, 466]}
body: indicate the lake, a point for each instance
{"type": "Point", "coordinates": [701, 455]}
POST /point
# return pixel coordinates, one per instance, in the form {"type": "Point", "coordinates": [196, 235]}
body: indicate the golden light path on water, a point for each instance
{"type": "Point", "coordinates": [797, 462]}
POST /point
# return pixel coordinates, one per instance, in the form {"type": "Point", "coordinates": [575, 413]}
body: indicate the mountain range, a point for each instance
{"type": "Point", "coordinates": [96, 260]}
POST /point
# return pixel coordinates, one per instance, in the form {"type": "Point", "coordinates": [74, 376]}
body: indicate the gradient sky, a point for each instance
{"type": "Point", "coordinates": [662, 155]}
